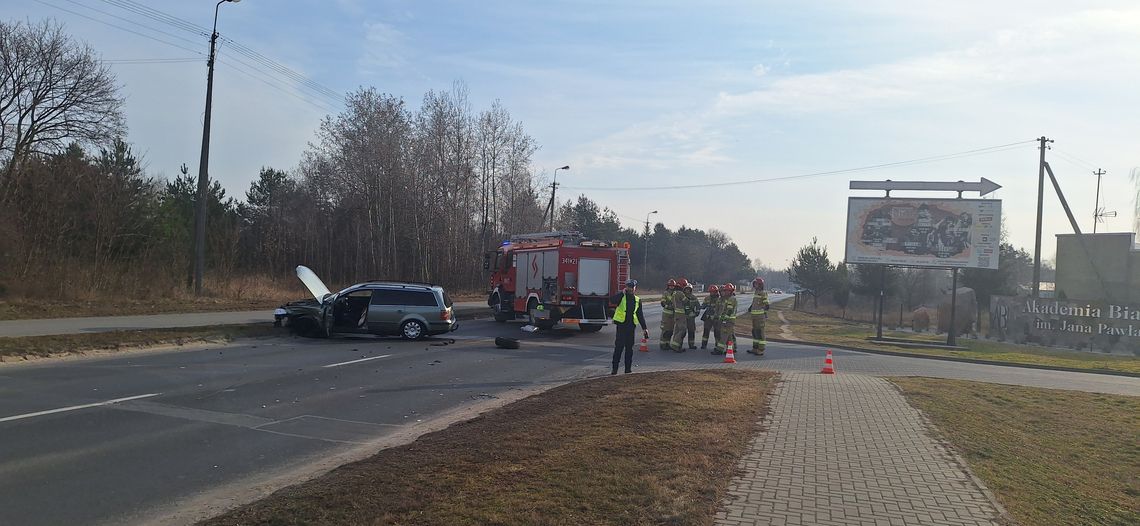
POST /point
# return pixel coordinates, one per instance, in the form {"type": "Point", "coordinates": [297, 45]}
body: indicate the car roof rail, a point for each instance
{"type": "Point", "coordinates": [403, 283]}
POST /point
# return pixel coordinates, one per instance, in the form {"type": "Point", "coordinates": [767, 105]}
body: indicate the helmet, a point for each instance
{"type": "Point", "coordinates": [631, 283]}
{"type": "Point", "coordinates": [672, 284]}
{"type": "Point", "coordinates": [758, 283]}
{"type": "Point", "coordinates": [682, 283]}
{"type": "Point", "coordinates": [714, 289]}
{"type": "Point", "coordinates": [729, 288]}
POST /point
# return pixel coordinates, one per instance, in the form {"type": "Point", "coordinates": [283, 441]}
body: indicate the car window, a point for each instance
{"type": "Point", "coordinates": [446, 300]}
{"type": "Point", "coordinates": [386, 297]}
{"type": "Point", "coordinates": [420, 299]}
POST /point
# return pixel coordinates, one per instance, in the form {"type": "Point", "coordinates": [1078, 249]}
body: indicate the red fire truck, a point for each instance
{"type": "Point", "coordinates": [556, 278]}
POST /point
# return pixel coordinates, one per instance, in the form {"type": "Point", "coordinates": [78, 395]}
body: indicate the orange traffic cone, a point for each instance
{"type": "Point", "coordinates": [728, 356]}
{"type": "Point", "coordinates": [644, 347]}
{"type": "Point", "coordinates": [828, 366]}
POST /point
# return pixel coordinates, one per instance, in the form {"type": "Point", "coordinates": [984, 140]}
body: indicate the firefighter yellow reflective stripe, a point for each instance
{"type": "Point", "coordinates": [757, 312]}
{"type": "Point", "coordinates": [620, 312]}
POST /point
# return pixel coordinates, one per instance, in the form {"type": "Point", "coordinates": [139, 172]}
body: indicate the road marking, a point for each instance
{"type": "Point", "coordinates": [357, 361]}
{"type": "Point", "coordinates": [75, 407]}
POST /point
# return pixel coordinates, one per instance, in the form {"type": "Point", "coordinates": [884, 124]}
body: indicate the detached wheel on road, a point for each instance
{"type": "Point", "coordinates": [412, 330]}
{"type": "Point", "coordinates": [591, 327]}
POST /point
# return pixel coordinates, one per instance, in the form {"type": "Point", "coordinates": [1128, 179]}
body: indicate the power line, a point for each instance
{"type": "Point", "coordinates": [159, 16]}
{"type": "Point", "coordinates": [153, 60]}
{"type": "Point", "coordinates": [282, 69]}
{"type": "Point", "coordinates": [319, 105]}
{"type": "Point", "coordinates": [172, 35]}
{"type": "Point", "coordinates": [301, 88]}
{"type": "Point", "coordinates": [156, 39]}
{"type": "Point", "coordinates": [935, 158]}
{"type": "Point", "coordinates": [1074, 159]}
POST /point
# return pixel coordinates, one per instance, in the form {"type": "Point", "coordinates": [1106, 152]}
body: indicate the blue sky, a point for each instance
{"type": "Point", "coordinates": [637, 93]}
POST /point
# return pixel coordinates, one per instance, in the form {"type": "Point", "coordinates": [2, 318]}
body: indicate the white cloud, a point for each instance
{"type": "Point", "coordinates": [384, 47]}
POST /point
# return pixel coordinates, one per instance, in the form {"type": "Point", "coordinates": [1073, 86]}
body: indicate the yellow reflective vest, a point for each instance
{"type": "Point", "coordinates": [620, 313]}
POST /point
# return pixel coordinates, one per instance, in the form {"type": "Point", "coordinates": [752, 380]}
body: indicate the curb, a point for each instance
{"type": "Point", "coordinates": [1105, 372]}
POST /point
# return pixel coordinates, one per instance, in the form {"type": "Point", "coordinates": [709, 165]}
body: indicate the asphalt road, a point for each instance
{"type": "Point", "coordinates": [149, 437]}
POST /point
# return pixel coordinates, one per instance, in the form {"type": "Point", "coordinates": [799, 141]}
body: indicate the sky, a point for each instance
{"type": "Point", "coordinates": [639, 95]}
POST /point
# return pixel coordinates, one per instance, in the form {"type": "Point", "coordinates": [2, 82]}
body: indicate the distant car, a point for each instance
{"type": "Point", "coordinates": [389, 308]}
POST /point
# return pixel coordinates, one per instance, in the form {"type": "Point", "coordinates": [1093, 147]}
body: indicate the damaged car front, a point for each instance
{"type": "Point", "coordinates": [307, 316]}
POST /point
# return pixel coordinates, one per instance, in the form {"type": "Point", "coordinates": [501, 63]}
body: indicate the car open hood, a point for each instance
{"type": "Point", "coordinates": [314, 284]}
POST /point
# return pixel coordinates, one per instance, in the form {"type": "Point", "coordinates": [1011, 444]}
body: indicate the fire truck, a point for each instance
{"type": "Point", "coordinates": [556, 279]}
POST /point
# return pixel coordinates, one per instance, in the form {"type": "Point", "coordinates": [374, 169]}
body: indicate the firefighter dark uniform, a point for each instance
{"type": "Point", "coordinates": [667, 314]}
{"type": "Point", "coordinates": [727, 317]}
{"type": "Point", "coordinates": [627, 317]}
{"type": "Point", "coordinates": [680, 316]}
{"type": "Point", "coordinates": [692, 309]}
{"type": "Point", "coordinates": [709, 316]}
{"type": "Point", "coordinates": [759, 312]}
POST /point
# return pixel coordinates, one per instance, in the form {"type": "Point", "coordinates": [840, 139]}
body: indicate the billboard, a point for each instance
{"type": "Point", "coordinates": [946, 233]}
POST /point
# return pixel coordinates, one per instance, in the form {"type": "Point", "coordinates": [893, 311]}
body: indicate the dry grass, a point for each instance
{"type": "Point", "coordinates": [31, 347]}
{"type": "Point", "coordinates": [1052, 457]}
{"type": "Point", "coordinates": [656, 448]}
{"type": "Point", "coordinates": [834, 331]}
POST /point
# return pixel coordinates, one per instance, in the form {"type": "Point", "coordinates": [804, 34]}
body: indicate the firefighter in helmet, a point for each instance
{"type": "Point", "coordinates": [692, 310]}
{"type": "Point", "coordinates": [680, 316]}
{"type": "Point", "coordinates": [759, 312]}
{"type": "Point", "coordinates": [709, 317]}
{"type": "Point", "coordinates": [667, 314]}
{"type": "Point", "coordinates": [727, 317]}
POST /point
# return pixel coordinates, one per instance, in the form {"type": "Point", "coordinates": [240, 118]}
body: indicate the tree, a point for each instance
{"type": "Point", "coordinates": [812, 270]}
{"type": "Point", "coordinates": [53, 91]}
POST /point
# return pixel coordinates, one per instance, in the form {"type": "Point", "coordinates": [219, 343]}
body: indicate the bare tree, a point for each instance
{"type": "Point", "coordinates": [53, 91]}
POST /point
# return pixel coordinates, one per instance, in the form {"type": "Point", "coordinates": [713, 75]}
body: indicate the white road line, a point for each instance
{"type": "Point", "coordinates": [357, 361]}
{"type": "Point", "coordinates": [75, 407]}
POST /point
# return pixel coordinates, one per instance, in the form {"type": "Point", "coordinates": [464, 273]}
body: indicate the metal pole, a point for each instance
{"type": "Point", "coordinates": [1096, 207]}
{"type": "Point", "coordinates": [203, 167]}
{"type": "Point", "coordinates": [882, 293]}
{"type": "Point", "coordinates": [1040, 208]}
{"type": "Point", "coordinates": [951, 333]}
{"type": "Point", "coordinates": [645, 265]}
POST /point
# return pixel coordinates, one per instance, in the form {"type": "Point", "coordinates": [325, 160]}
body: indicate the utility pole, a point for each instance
{"type": "Point", "coordinates": [203, 164]}
{"type": "Point", "coordinates": [1040, 211]}
{"type": "Point", "coordinates": [553, 189]}
{"type": "Point", "coordinates": [645, 264]}
{"type": "Point", "coordinates": [1096, 208]}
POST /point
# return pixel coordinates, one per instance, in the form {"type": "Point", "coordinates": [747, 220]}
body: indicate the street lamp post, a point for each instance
{"type": "Point", "coordinates": [553, 189]}
{"type": "Point", "coordinates": [645, 265]}
{"type": "Point", "coordinates": [203, 164]}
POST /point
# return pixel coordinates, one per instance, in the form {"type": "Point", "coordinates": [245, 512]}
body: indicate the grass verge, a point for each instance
{"type": "Point", "coordinates": [63, 344]}
{"type": "Point", "coordinates": [1050, 456]}
{"type": "Point", "coordinates": [827, 330]}
{"type": "Point", "coordinates": [656, 448]}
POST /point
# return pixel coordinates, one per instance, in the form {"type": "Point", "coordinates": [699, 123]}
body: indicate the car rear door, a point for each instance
{"type": "Point", "coordinates": [386, 311]}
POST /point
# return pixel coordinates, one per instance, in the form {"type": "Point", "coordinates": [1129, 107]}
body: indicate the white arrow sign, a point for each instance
{"type": "Point", "coordinates": [983, 187]}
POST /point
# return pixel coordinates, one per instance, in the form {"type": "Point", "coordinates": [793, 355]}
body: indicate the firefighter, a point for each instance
{"type": "Point", "coordinates": [667, 314]}
{"type": "Point", "coordinates": [709, 315]}
{"type": "Point", "coordinates": [692, 309]}
{"type": "Point", "coordinates": [628, 316]}
{"type": "Point", "coordinates": [727, 317]}
{"type": "Point", "coordinates": [759, 312]}
{"type": "Point", "coordinates": [680, 316]}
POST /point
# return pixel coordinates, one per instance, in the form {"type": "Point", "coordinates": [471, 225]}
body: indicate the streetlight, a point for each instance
{"type": "Point", "coordinates": [645, 266]}
{"type": "Point", "coordinates": [554, 188]}
{"type": "Point", "coordinates": [203, 164]}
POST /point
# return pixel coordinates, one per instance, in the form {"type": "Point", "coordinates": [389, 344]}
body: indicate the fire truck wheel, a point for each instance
{"type": "Point", "coordinates": [591, 327]}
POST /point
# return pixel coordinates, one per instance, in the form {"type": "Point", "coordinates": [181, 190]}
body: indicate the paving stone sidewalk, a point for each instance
{"type": "Point", "coordinates": [848, 449]}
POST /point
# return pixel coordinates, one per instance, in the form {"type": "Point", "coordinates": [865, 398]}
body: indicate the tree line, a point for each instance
{"type": "Point", "coordinates": [383, 191]}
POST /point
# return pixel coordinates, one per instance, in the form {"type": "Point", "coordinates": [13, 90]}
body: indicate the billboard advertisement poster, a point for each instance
{"type": "Point", "coordinates": [962, 233]}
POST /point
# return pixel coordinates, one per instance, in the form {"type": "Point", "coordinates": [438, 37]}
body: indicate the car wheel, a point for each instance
{"type": "Point", "coordinates": [412, 330]}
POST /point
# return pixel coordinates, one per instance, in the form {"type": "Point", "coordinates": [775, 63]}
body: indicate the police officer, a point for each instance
{"type": "Point", "coordinates": [680, 316]}
{"type": "Point", "coordinates": [667, 314]}
{"type": "Point", "coordinates": [709, 317]}
{"type": "Point", "coordinates": [727, 317]}
{"type": "Point", "coordinates": [759, 312]}
{"type": "Point", "coordinates": [628, 316]}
